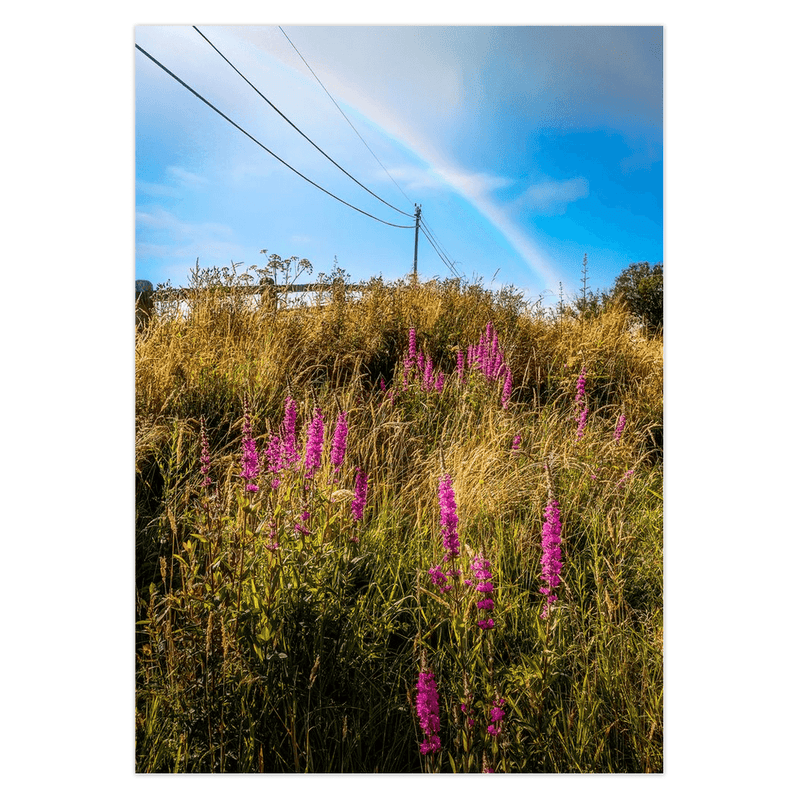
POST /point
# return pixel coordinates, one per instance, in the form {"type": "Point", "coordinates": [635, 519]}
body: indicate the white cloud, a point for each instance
{"type": "Point", "coordinates": [186, 178]}
{"type": "Point", "coordinates": [552, 197]}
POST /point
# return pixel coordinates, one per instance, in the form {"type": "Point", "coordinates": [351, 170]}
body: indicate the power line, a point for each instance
{"type": "Point", "coordinates": [437, 246]}
{"type": "Point", "coordinates": [446, 263]}
{"type": "Point", "coordinates": [298, 129]}
{"type": "Point", "coordinates": [342, 113]}
{"type": "Point", "coordinates": [441, 247]}
{"type": "Point", "coordinates": [249, 136]}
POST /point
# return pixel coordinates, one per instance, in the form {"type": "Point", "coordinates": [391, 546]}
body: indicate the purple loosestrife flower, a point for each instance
{"type": "Point", "coordinates": [339, 442]}
{"type": "Point", "coordinates": [460, 366]}
{"type": "Point", "coordinates": [440, 382]}
{"type": "Point", "coordinates": [288, 432]}
{"type": "Point", "coordinates": [624, 478]}
{"type": "Point", "coordinates": [316, 434]}
{"type": "Point", "coordinates": [205, 457]}
{"type": "Point", "coordinates": [439, 579]}
{"type": "Point", "coordinates": [412, 343]}
{"type": "Point", "coordinates": [249, 453]}
{"type": "Point", "coordinates": [506, 396]}
{"type": "Point", "coordinates": [449, 518]}
{"type": "Point", "coordinates": [515, 444]}
{"type": "Point", "coordinates": [428, 712]}
{"type": "Point", "coordinates": [275, 461]}
{"type": "Point", "coordinates": [360, 498]}
{"type": "Point", "coordinates": [496, 715]}
{"type": "Point", "coordinates": [620, 427]}
{"type": "Point", "coordinates": [582, 417]}
{"type": "Point", "coordinates": [551, 554]}
{"type": "Point", "coordinates": [482, 570]}
{"type": "Point", "coordinates": [427, 378]}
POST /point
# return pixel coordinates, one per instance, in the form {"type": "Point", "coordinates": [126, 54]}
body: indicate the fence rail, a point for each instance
{"type": "Point", "coordinates": [146, 295]}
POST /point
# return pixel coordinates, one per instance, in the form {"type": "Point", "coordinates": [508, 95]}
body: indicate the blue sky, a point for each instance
{"type": "Point", "coordinates": [526, 147]}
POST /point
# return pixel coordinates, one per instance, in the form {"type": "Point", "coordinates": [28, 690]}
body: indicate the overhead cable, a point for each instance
{"type": "Point", "coordinates": [342, 112]}
{"type": "Point", "coordinates": [263, 147]}
{"type": "Point", "coordinates": [298, 129]}
{"type": "Point", "coordinates": [430, 230]}
{"type": "Point", "coordinates": [444, 260]}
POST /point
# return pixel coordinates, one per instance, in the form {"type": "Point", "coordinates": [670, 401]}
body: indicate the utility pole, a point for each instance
{"type": "Point", "coordinates": [416, 236]}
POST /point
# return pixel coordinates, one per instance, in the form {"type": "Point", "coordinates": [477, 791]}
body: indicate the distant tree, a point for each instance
{"type": "Point", "coordinates": [641, 288]}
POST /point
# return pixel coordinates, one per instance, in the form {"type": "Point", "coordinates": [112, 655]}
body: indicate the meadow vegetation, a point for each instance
{"type": "Point", "coordinates": [414, 528]}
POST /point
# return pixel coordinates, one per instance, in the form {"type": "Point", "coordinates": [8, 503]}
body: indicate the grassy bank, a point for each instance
{"type": "Point", "coordinates": [285, 628]}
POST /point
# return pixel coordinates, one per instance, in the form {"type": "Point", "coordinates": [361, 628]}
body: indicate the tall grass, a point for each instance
{"type": "Point", "coordinates": [278, 631]}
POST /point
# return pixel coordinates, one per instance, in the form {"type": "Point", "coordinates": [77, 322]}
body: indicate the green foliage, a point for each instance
{"type": "Point", "coordinates": [641, 288]}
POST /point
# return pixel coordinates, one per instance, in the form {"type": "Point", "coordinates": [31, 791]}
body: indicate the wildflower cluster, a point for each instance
{"type": "Point", "coordinates": [428, 712]}
{"type": "Point", "coordinates": [481, 569]}
{"type": "Point", "coordinates": [620, 427]}
{"type": "Point", "coordinates": [496, 716]}
{"type": "Point", "coordinates": [449, 528]}
{"type": "Point", "coordinates": [360, 498]}
{"type": "Point", "coordinates": [551, 554]}
{"type": "Point", "coordinates": [417, 365]}
{"type": "Point", "coordinates": [314, 440]}
{"type": "Point", "coordinates": [250, 467]}
{"type": "Point", "coordinates": [487, 358]}
{"type": "Point", "coordinates": [339, 441]}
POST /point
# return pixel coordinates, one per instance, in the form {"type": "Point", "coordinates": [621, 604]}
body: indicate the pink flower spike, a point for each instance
{"type": "Point", "coordinates": [249, 453]}
{"type": "Point", "coordinates": [412, 343]}
{"type": "Point", "coordinates": [620, 427]}
{"type": "Point", "coordinates": [316, 435]}
{"type": "Point", "coordinates": [428, 712]}
{"type": "Point", "coordinates": [449, 518]}
{"type": "Point", "coordinates": [360, 499]}
{"type": "Point", "coordinates": [551, 554]}
{"type": "Point", "coordinates": [339, 442]}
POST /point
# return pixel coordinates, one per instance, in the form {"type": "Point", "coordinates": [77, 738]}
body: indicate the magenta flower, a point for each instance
{"type": "Point", "coordinates": [582, 417]}
{"type": "Point", "coordinates": [360, 499]}
{"type": "Point", "coordinates": [624, 478]}
{"type": "Point", "coordinates": [439, 579]}
{"type": "Point", "coordinates": [515, 444]}
{"type": "Point", "coordinates": [440, 382]}
{"type": "Point", "coordinates": [428, 712]}
{"type": "Point", "coordinates": [427, 378]}
{"type": "Point", "coordinates": [274, 456]}
{"type": "Point", "coordinates": [506, 396]}
{"type": "Point", "coordinates": [205, 457]}
{"type": "Point", "coordinates": [482, 570]}
{"type": "Point", "coordinates": [449, 518]}
{"type": "Point", "coordinates": [288, 432]}
{"type": "Point", "coordinates": [551, 554]}
{"type": "Point", "coordinates": [339, 441]}
{"type": "Point", "coordinates": [412, 343]}
{"type": "Point", "coordinates": [580, 387]}
{"type": "Point", "coordinates": [496, 715]}
{"type": "Point", "coordinates": [316, 434]}
{"type": "Point", "coordinates": [620, 427]}
{"type": "Point", "coordinates": [249, 453]}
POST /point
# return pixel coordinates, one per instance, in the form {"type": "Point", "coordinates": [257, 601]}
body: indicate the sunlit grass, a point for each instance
{"type": "Point", "coordinates": [263, 648]}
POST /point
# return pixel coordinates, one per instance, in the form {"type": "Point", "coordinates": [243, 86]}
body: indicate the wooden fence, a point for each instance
{"type": "Point", "coordinates": [147, 296]}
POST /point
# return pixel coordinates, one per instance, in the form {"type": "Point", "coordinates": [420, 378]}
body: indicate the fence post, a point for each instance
{"type": "Point", "coordinates": [269, 297]}
{"type": "Point", "coordinates": [144, 303]}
